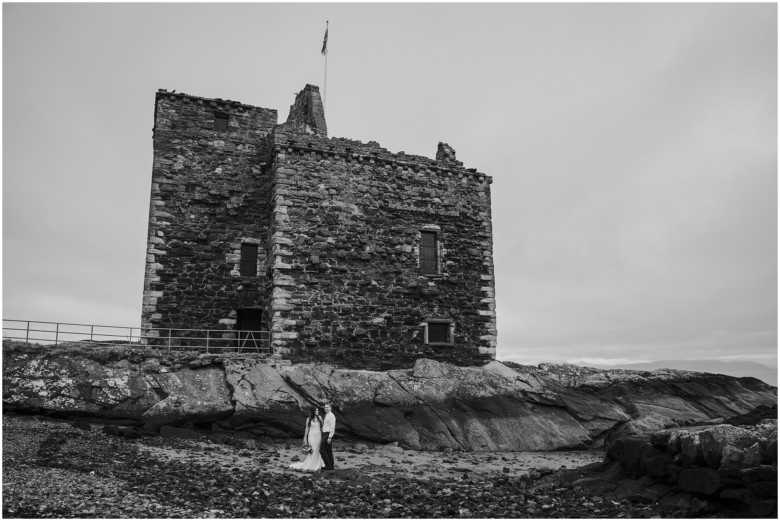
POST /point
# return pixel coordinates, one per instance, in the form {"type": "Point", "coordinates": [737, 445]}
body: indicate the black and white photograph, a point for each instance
{"type": "Point", "coordinates": [389, 260]}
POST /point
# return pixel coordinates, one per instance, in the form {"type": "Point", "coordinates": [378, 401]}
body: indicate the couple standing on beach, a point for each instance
{"type": "Point", "coordinates": [319, 437]}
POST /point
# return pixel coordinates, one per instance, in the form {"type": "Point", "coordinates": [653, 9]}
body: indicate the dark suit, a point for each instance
{"type": "Point", "coordinates": [326, 449]}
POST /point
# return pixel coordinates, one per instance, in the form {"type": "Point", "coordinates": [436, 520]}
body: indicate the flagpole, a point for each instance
{"type": "Point", "coordinates": [325, 83]}
{"type": "Point", "coordinates": [325, 80]}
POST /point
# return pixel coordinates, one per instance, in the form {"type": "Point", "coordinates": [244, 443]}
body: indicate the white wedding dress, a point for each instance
{"type": "Point", "coordinates": [313, 461]}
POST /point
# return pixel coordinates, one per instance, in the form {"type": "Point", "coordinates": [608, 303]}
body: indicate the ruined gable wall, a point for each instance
{"type": "Point", "coordinates": [345, 236]}
{"type": "Point", "coordinates": [208, 193]}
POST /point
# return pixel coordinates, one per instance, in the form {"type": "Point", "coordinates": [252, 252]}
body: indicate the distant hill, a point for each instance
{"type": "Point", "coordinates": [736, 368]}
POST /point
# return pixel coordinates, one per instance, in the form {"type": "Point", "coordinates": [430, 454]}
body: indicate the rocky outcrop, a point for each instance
{"type": "Point", "coordinates": [118, 386]}
{"type": "Point", "coordinates": [724, 468]}
{"type": "Point", "coordinates": [498, 406]}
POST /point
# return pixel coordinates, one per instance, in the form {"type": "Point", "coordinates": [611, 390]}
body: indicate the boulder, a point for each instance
{"type": "Point", "coordinates": [199, 395]}
{"type": "Point", "coordinates": [629, 452]}
{"type": "Point", "coordinates": [752, 456]}
{"type": "Point", "coordinates": [757, 474]}
{"type": "Point", "coordinates": [769, 448]}
{"type": "Point", "coordinates": [762, 472]}
{"type": "Point", "coordinates": [690, 448]}
{"type": "Point", "coordinates": [714, 439]}
{"type": "Point", "coordinates": [263, 398]}
{"type": "Point", "coordinates": [701, 480]}
{"type": "Point", "coordinates": [80, 385]}
{"type": "Point", "coordinates": [655, 463]}
{"type": "Point", "coordinates": [152, 365]}
{"type": "Point", "coordinates": [733, 459]}
{"type": "Point", "coordinates": [744, 503]}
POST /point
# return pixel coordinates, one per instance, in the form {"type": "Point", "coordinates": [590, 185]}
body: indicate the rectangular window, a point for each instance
{"type": "Point", "coordinates": [429, 262]}
{"type": "Point", "coordinates": [439, 332]}
{"type": "Point", "coordinates": [221, 122]}
{"type": "Point", "coordinates": [249, 260]}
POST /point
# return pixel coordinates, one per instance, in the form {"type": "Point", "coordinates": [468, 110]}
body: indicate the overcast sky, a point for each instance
{"type": "Point", "coordinates": [633, 150]}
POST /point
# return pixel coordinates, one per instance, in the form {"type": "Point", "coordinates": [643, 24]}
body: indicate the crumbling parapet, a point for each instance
{"type": "Point", "coordinates": [307, 113]}
{"type": "Point", "coordinates": [446, 154]}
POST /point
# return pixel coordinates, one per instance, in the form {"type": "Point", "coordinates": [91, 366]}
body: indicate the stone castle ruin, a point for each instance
{"type": "Point", "coordinates": [339, 250]}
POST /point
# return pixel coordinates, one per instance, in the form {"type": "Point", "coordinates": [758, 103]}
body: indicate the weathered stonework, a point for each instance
{"type": "Point", "coordinates": [339, 224]}
{"type": "Point", "coordinates": [209, 194]}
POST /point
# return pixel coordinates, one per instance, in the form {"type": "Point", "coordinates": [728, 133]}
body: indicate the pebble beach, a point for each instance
{"type": "Point", "coordinates": [52, 469]}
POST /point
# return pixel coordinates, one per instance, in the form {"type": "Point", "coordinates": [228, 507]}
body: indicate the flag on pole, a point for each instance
{"type": "Point", "coordinates": [325, 41]}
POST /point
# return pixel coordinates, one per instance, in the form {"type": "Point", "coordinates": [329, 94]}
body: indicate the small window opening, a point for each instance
{"type": "Point", "coordinates": [189, 188]}
{"type": "Point", "coordinates": [249, 260]}
{"type": "Point", "coordinates": [429, 262]}
{"type": "Point", "coordinates": [438, 332]}
{"type": "Point", "coordinates": [221, 122]}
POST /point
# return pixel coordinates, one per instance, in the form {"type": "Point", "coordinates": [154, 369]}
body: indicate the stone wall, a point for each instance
{"type": "Point", "coordinates": [209, 194]}
{"type": "Point", "coordinates": [347, 283]}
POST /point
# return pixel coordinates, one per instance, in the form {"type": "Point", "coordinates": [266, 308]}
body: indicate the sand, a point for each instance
{"type": "Point", "coordinates": [377, 458]}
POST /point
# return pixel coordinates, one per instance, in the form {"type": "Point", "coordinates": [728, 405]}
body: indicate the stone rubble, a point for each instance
{"type": "Point", "coordinates": [724, 468]}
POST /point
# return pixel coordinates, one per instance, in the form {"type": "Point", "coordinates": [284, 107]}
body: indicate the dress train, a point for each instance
{"type": "Point", "coordinates": [313, 461]}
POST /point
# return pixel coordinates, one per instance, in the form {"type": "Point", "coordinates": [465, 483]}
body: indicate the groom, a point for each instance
{"type": "Point", "coordinates": [328, 429]}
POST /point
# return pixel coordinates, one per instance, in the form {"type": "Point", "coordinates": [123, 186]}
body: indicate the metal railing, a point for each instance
{"type": "Point", "coordinates": [61, 334]}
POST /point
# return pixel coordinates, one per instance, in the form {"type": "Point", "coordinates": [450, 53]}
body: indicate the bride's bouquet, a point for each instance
{"type": "Point", "coordinates": [306, 448]}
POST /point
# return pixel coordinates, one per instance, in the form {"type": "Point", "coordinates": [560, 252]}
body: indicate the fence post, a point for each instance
{"type": "Point", "coordinates": [57, 335]}
{"type": "Point", "coordinates": [91, 331]}
{"type": "Point", "coordinates": [27, 338]}
{"type": "Point", "coordinates": [169, 339]}
{"type": "Point", "coordinates": [208, 335]}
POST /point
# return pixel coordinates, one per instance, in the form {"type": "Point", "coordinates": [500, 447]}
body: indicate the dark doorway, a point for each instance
{"type": "Point", "coordinates": [249, 323]}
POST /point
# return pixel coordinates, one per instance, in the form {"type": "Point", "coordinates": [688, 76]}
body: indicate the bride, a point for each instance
{"type": "Point", "coordinates": [312, 436]}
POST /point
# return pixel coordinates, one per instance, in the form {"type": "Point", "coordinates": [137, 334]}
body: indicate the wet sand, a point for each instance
{"type": "Point", "coordinates": [368, 457]}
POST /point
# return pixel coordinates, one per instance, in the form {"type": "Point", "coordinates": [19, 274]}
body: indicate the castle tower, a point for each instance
{"type": "Point", "coordinates": [364, 258]}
